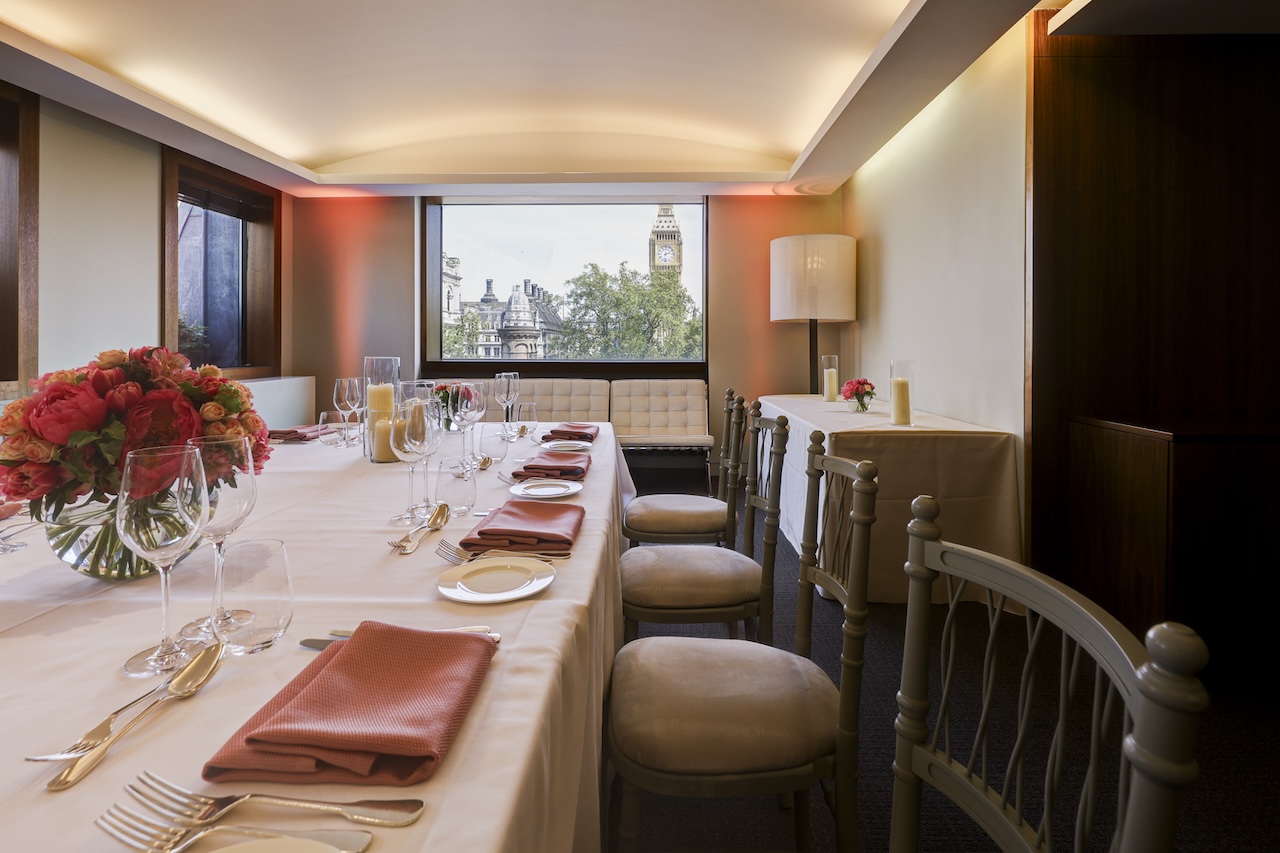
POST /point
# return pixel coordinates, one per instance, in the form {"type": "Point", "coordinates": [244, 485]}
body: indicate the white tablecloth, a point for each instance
{"type": "Point", "coordinates": [970, 469]}
{"type": "Point", "coordinates": [524, 773]}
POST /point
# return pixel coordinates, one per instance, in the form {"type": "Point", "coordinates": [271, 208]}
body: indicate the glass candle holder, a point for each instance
{"type": "Point", "coordinates": [830, 377]}
{"type": "Point", "coordinates": [900, 371]}
{"type": "Point", "coordinates": [381, 393]}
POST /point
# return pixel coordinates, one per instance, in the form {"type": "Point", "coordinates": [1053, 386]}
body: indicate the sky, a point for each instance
{"type": "Point", "coordinates": [551, 243]}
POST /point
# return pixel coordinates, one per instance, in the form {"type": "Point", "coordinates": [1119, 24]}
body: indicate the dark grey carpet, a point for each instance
{"type": "Point", "coordinates": [1232, 807]}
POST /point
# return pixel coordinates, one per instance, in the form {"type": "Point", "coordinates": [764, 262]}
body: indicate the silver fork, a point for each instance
{"type": "Point", "coordinates": [405, 540]}
{"type": "Point", "coordinates": [189, 808]}
{"type": "Point", "coordinates": [98, 733]}
{"type": "Point", "coordinates": [143, 833]}
{"type": "Point", "coordinates": [458, 555]}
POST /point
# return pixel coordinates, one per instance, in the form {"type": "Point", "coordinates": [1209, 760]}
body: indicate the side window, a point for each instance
{"type": "Point", "coordinates": [19, 199]}
{"type": "Point", "coordinates": [221, 267]}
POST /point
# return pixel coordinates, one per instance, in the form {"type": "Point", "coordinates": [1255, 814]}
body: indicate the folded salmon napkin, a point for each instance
{"type": "Point", "coordinates": [574, 431]}
{"type": "Point", "coordinates": [527, 526]}
{"type": "Point", "coordinates": [379, 709]}
{"type": "Point", "coordinates": [300, 433]}
{"type": "Point", "coordinates": [557, 464]}
{"type": "Point", "coordinates": [8, 510]}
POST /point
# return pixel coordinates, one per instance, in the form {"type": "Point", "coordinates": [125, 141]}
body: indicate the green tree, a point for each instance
{"type": "Point", "coordinates": [462, 340]}
{"type": "Point", "coordinates": [629, 316]}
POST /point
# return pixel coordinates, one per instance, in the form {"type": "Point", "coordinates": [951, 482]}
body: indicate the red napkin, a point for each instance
{"type": "Point", "coordinates": [574, 431]}
{"type": "Point", "coordinates": [556, 464]}
{"type": "Point", "coordinates": [379, 709]}
{"type": "Point", "coordinates": [527, 526]}
{"type": "Point", "coordinates": [8, 510]}
{"type": "Point", "coordinates": [300, 433]}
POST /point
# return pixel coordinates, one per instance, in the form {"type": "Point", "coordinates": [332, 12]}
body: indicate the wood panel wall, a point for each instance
{"type": "Point", "coordinates": [1154, 244]}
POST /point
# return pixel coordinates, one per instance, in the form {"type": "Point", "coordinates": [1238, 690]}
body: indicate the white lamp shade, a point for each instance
{"type": "Point", "coordinates": [811, 277]}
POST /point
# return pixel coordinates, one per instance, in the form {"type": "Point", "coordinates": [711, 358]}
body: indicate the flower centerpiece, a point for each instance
{"type": "Point", "coordinates": [62, 448]}
{"type": "Point", "coordinates": [449, 394]}
{"type": "Point", "coordinates": [859, 393]}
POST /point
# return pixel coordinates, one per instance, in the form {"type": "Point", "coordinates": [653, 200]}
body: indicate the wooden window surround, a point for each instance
{"type": "Point", "coordinates": [261, 206]}
{"type": "Point", "coordinates": [19, 238]}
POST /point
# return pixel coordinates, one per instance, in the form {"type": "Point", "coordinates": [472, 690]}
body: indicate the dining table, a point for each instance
{"type": "Point", "coordinates": [525, 771]}
{"type": "Point", "coordinates": [972, 470]}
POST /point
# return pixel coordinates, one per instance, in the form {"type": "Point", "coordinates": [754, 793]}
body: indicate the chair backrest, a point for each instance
{"type": "Point", "coordinates": [731, 442]}
{"type": "Point", "coordinates": [659, 407]}
{"type": "Point", "coordinates": [835, 554]}
{"type": "Point", "coordinates": [558, 399]}
{"type": "Point", "coordinates": [766, 450]}
{"type": "Point", "coordinates": [1054, 725]}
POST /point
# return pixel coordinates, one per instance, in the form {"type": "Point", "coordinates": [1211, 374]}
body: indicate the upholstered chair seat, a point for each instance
{"type": "Point", "coordinates": [676, 515]}
{"type": "Point", "coordinates": [683, 576]}
{"type": "Point", "coordinates": [773, 709]}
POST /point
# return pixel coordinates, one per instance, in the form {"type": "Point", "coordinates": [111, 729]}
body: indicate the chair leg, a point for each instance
{"type": "Point", "coordinates": [625, 807]}
{"type": "Point", "coordinates": [804, 839]}
{"type": "Point", "coordinates": [733, 630]}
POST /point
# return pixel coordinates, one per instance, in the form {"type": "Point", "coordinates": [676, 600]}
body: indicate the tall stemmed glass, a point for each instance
{"type": "Point", "coordinates": [435, 437]}
{"type": "Point", "coordinates": [411, 429]}
{"type": "Point", "coordinates": [467, 406]}
{"type": "Point", "coordinates": [233, 490]}
{"type": "Point", "coordinates": [348, 397]}
{"type": "Point", "coordinates": [506, 390]}
{"type": "Point", "coordinates": [162, 507]}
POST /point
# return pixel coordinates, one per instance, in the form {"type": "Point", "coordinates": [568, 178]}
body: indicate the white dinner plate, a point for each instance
{"type": "Point", "coordinates": [494, 579]}
{"type": "Point", "coordinates": [280, 845]}
{"type": "Point", "coordinates": [566, 444]}
{"type": "Point", "coordinates": [546, 490]}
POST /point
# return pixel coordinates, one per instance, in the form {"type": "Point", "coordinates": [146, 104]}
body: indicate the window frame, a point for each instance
{"type": "Point", "coordinates": [429, 321]}
{"type": "Point", "coordinates": [20, 242]}
{"type": "Point", "coordinates": [262, 256]}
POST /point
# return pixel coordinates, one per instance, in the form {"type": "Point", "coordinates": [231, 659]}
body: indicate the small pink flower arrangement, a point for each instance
{"type": "Point", "coordinates": [859, 391]}
{"type": "Point", "coordinates": [69, 437]}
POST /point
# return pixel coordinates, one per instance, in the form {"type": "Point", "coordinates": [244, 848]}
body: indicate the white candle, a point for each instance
{"type": "Point", "coordinates": [381, 398]}
{"type": "Point", "coordinates": [830, 384]}
{"type": "Point", "coordinates": [382, 451]}
{"type": "Point", "coordinates": [900, 411]}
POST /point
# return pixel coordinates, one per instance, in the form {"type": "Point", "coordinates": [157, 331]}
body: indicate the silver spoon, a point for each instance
{"type": "Point", "coordinates": [439, 517]}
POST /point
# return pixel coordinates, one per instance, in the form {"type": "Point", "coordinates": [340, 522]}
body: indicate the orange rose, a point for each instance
{"type": "Point", "coordinates": [212, 411]}
{"type": "Point", "coordinates": [108, 359]}
{"type": "Point", "coordinates": [209, 370]}
{"type": "Point", "coordinates": [39, 450]}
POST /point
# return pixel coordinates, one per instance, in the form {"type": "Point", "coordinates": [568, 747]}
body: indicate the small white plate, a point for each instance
{"type": "Point", "coordinates": [546, 490]}
{"type": "Point", "coordinates": [493, 579]}
{"type": "Point", "coordinates": [566, 444]}
{"type": "Point", "coordinates": [281, 845]}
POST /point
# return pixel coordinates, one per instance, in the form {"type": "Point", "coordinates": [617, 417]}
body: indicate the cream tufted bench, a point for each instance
{"type": "Point", "coordinates": [557, 399]}
{"type": "Point", "coordinates": [662, 422]}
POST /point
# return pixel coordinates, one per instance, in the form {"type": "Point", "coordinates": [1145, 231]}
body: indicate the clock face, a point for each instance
{"type": "Point", "coordinates": [666, 254]}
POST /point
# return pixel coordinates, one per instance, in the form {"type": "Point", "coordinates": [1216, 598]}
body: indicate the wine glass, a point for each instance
{"type": "Point", "coordinates": [411, 427]}
{"type": "Point", "coordinates": [233, 490]}
{"type": "Point", "coordinates": [162, 507]}
{"type": "Point", "coordinates": [348, 398]}
{"type": "Point", "coordinates": [506, 390]}
{"type": "Point", "coordinates": [435, 437]}
{"type": "Point", "coordinates": [466, 408]}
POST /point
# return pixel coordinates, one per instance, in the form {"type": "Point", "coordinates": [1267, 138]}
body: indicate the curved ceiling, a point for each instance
{"type": "Point", "coordinates": [471, 97]}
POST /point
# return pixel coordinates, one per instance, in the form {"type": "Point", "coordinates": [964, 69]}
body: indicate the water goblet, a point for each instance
{"type": "Point", "coordinates": [233, 490]}
{"type": "Point", "coordinates": [256, 582]}
{"type": "Point", "coordinates": [411, 427]}
{"type": "Point", "coordinates": [162, 507]}
{"type": "Point", "coordinates": [348, 398]}
{"type": "Point", "coordinates": [492, 441]}
{"type": "Point", "coordinates": [506, 390]}
{"type": "Point", "coordinates": [456, 485]}
{"type": "Point", "coordinates": [467, 406]}
{"type": "Point", "coordinates": [527, 417]}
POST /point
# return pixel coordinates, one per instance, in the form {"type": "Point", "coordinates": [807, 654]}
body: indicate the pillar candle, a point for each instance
{"type": "Point", "coordinates": [382, 402]}
{"type": "Point", "coordinates": [900, 411]}
{"type": "Point", "coordinates": [830, 384]}
{"type": "Point", "coordinates": [382, 451]}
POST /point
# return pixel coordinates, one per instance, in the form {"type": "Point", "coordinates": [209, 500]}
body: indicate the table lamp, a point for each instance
{"type": "Point", "coordinates": [811, 277]}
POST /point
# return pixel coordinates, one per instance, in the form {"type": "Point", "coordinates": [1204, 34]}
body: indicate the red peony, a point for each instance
{"type": "Point", "coordinates": [163, 417]}
{"type": "Point", "coordinates": [63, 408]}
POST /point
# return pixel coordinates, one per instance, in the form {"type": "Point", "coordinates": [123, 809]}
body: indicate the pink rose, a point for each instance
{"type": "Point", "coordinates": [163, 417]}
{"type": "Point", "coordinates": [63, 408]}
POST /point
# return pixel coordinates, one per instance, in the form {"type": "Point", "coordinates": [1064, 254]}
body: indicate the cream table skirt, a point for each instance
{"type": "Point", "coordinates": [525, 771]}
{"type": "Point", "coordinates": [971, 470]}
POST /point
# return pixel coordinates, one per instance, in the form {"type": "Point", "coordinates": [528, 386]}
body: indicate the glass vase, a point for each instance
{"type": "Point", "coordinates": [83, 535]}
{"type": "Point", "coordinates": [381, 393]}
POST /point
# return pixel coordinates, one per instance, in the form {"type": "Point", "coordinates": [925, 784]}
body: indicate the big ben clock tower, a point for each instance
{"type": "Point", "coordinates": [666, 246]}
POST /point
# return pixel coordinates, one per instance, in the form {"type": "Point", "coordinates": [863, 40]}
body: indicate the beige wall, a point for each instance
{"type": "Point", "coordinates": [746, 351]}
{"type": "Point", "coordinates": [355, 287]}
{"type": "Point", "coordinates": [99, 260]}
{"type": "Point", "coordinates": [939, 214]}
